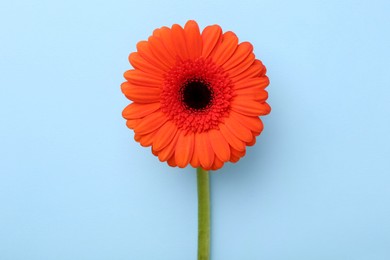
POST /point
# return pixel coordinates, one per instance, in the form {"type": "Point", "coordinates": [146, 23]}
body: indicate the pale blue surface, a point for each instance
{"type": "Point", "coordinates": [74, 184]}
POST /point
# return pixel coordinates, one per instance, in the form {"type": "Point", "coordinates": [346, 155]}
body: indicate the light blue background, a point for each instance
{"type": "Point", "coordinates": [75, 185]}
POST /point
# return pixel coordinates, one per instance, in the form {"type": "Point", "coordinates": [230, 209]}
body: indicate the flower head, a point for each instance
{"type": "Point", "coordinates": [197, 97]}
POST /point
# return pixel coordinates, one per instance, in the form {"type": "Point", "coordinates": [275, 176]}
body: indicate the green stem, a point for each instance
{"type": "Point", "coordinates": [203, 214]}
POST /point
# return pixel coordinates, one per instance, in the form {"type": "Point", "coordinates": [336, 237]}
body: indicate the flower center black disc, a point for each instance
{"type": "Point", "coordinates": [196, 94]}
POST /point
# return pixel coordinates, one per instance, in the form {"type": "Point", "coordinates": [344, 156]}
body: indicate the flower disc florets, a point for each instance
{"type": "Point", "coordinates": [196, 95]}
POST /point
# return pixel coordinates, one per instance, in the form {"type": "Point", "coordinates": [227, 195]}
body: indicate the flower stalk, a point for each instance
{"type": "Point", "coordinates": [203, 214]}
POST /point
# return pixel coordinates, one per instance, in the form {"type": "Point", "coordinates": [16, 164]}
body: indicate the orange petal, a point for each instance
{"type": "Point", "coordinates": [184, 149]}
{"type": "Point", "coordinates": [165, 34]}
{"type": "Point", "coordinates": [193, 39]}
{"type": "Point", "coordinates": [140, 94]}
{"type": "Point", "coordinates": [144, 49]}
{"type": "Point", "coordinates": [258, 133]}
{"type": "Point", "coordinates": [258, 82]}
{"type": "Point", "coordinates": [243, 66]}
{"type": "Point", "coordinates": [179, 41]}
{"type": "Point", "coordinates": [218, 164]}
{"type": "Point", "coordinates": [144, 79]}
{"type": "Point", "coordinates": [132, 123]}
{"type": "Point", "coordinates": [257, 93]}
{"type": "Point", "coordinates": [137, 137]}
{"type": "Point", "coordinates": [171, 161]}
{"type": "Point", "coordinates": [150, 123]}
{"type": "Point", "coordinates": [253, 71]}
{"type": "Point", "coordinates": [137, 110]}
{"type": "Point", "coordinates": [204, 150]}
{"type": "Point", "coordinates": [249, 107]}
{"type": "Point", "coordinates": [159, 50]}
{"type": "Point", "coordinates": [168, 151]}
{"type": "Point", "coordinates": [140, 63]}
{"type": "Point", "coordinates": [164, 135]}
{"type": "Point", "coordinates": [233, 141]}
{"type": "Point", "coordinates": [234, 158]}
{"type": "Point", "coordinates": [195, 157]}
{"type": "Point", "coordinates": [226, 49]}
{"type": "Point", "coordinates": [266, 109]}
{"type": "Point", "coordinates": [251, 122]}
{"type": "Point", "coordinates": [155, 153]}
{"type": "Point", "coordinates": [236, 155]}
{"type": "Point", "coordinates": [146, 140]}
{"type": "Point", "coordinates": [263, 70]}
{"type": "Point", "coordinates": [238, 129]}
{"type": "Point", "coordinates": [251, 143]}
{"type": "Point", "coordinates": [219, 144]}
{"type": "Point", "coordinates": [243, 50]}
{"type": "Point", "coordinates": [157, 32]}
{"type": "Point", "coordinates": [211, 36]}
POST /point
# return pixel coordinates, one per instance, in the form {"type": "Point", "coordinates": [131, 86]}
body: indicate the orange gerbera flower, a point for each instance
{"type": "Point", "coordinates": [197, 97]}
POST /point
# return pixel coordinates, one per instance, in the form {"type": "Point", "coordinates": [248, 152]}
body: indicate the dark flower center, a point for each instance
{"type": "Point", "coordinates": [196, 94]}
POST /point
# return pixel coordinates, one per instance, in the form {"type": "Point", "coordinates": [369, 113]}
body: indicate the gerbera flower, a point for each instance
{"type": "Point", "coordinates": [197, 97]}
